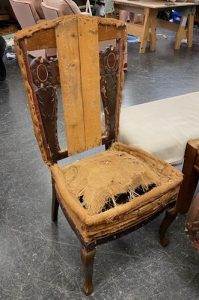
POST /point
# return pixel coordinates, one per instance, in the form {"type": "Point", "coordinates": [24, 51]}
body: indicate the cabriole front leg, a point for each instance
{"type": "Point", "coordinates": [167, 221]}
{"type": "Point", "coordinates": [87, 261]}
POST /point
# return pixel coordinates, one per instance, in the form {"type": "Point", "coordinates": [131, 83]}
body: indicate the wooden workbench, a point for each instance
{"type": "Point", "coordinates": [147, 30]}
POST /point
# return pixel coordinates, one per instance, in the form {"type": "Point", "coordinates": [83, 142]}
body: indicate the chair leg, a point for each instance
{"type": "Point", "coordinates": [167, 221]}
{"type": "Point", "coordinates": [55, 204]}
{"type": "Point", "coordinates": [187, 189]}
{"type": "Point", "coordinates": [191, 177]}
{"type": "Point", "coordinates": [87, 261]}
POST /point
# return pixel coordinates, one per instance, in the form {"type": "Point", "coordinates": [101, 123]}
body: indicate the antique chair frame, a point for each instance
{"type": "Point", "coordinates": [74, 37]}
{"type": "Point", "coordinates": [192, 222]}
{"type": "Point", "coordinates": [187, 189]}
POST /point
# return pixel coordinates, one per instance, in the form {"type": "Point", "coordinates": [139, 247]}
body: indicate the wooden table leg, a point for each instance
{"type": "Point", "coordinates": [181, 33]}
{"type": "Point", "coordinates": [145, 32]}
{"type": "Point", "coordinates": [153, 38]}
{"type": "Point", "coordinates": [190, 31]}
{"type": "Point", "coordinates": [149, 29]}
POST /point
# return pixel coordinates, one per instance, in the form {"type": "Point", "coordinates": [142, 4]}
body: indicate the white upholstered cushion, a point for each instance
{"type": "Point", "coordinates": [162, 127]}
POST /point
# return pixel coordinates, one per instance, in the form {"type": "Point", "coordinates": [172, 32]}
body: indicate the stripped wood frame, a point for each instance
{"type": "Point", "coordinates": [79, 76]}
{"type": "Point", "coordinates": [187, 189]}
{"type": "Point", "coordinates": [192, 222]}
{"type": "Point", "coordinates": [87, 78]}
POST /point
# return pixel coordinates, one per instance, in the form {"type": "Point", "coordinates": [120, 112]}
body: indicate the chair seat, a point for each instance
{"type": "Point", "coordinates": [114, 189]}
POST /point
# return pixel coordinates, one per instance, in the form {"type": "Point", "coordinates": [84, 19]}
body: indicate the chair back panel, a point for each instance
{"type": "Point", "coordinates": [63, 7]}
{"type": "Point", "coordinates": [25, 13]}
{"type": "Point", "coordinates": [78, 52]}
{"type": "Point", "coordinates": [87, 78]}
{"type": "Point", "coordinates": [44, 78]}
{"type": "Point", "coordinates": [49, 12]}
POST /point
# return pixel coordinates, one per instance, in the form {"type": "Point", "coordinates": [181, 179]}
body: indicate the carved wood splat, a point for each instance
{"type": "Point", "coordinates": [109, 66]}
{"type": "Point", "coordinates": [45, 77]}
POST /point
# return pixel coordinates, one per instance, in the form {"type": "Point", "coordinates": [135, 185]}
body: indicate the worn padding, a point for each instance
{"type": "Point", "coordinates": [107, 174]}
{"type": "Point", "coordinates": [111, 172]}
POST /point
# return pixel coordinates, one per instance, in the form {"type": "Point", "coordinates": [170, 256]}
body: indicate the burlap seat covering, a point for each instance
{"type": "Point", "coordinates": [105, 175]}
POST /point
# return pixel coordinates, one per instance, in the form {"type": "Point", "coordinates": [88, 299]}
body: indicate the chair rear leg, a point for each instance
{"type": "Point", "coordinates": [87, 258]}
{"type": "Point", "coordinates": [55, 204]}
{"type": "Point", "coordinates": [170, 216]}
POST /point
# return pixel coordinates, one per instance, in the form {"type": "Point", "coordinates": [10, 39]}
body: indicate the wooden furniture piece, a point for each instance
{"type": "Point", "coordinates": [147, 30]}
{"type": "Point", "coordinates": [192, 222]}
{"type": "Point", "coordinates": [169, 124]}
{"type": "Point", "coordinates": [2, 66]}
{"type": "Point", "coordinates": [118, 189]}
{"type": "Point", "coordinates": [187, 189]}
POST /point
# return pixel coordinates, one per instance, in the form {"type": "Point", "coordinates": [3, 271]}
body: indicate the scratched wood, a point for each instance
{"type": "Point", "coordinates": [43, 39]}
{"type": "Point", "coordinates": [46, 39]}
{"type": "Point", "coordinates": [70, 77]}
{"type": "Point", "coordinates": [181, 33]}
{"type": "Point", "coordinates": [90, 80]}
{"type": "Point", "coordinates": [190, 30]}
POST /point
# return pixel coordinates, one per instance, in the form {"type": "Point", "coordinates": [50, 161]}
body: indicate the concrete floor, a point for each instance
{"type": "Point", "coordinates": [39, 260]}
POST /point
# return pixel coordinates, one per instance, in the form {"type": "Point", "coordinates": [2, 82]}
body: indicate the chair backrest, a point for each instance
{"type": "Point", "coordinates": [37, 5]}
{"type": "Point", "coordinates": [50, 12]}
{"type": "Point", "coordinates": [25, 12]}
{"type": "Point", "coordinates": [60, 8]}
{"type": "Point", "coordinates": [88, 77]}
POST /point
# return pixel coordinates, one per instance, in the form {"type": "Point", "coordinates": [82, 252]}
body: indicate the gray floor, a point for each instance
{"type": "Point", "coordinates": [39, 260]}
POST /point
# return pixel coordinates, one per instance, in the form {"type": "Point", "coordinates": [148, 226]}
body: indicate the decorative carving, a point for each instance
{"type": "Point", "coordinates": [109, 66]}
{"type": "Point", "coordinates": [45, 78]}
{"type": "Point", "coordinates": [45, 72]}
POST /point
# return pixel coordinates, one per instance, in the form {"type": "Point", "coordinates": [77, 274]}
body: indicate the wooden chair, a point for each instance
{"type": "Point", "coordinates": [192, 222]}
{"type": "Point", "coordinates": [187, 189]}
{"type": "Point", "coordinates": [118, 189]}
{"type": "Point", "coordinates": [2, 66]}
